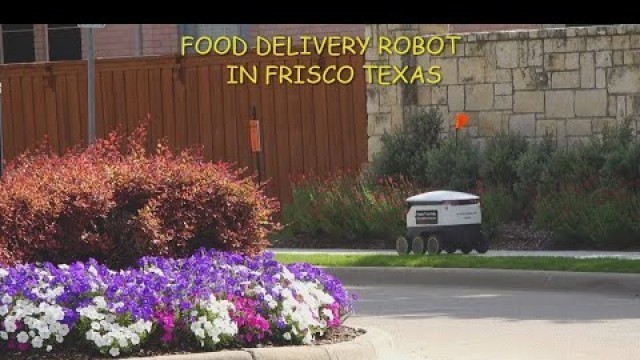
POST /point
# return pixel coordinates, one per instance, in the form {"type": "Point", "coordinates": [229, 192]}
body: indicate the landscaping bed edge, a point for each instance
{"type": "Point", "coordinates": [374, 344]}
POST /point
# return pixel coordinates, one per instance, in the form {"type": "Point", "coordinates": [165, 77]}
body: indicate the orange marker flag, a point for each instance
{"type": "Point", "coordinates": [461, 120]}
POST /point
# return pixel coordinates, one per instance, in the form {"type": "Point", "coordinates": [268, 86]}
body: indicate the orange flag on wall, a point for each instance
{"type": "Point", "coordinates": [461, 120]}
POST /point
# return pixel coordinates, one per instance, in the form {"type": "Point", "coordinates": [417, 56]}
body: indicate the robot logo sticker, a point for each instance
{"type": "Point", "coordinates": [427, 217]}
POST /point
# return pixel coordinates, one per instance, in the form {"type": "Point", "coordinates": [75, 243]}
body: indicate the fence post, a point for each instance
{"type": "Point", "coordinates": [91, 84]}
{"type": "Point", "coordinates": [139, 39]}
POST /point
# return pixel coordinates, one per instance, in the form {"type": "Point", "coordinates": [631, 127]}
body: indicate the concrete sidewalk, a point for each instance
{"type": "Point", "coordinates": [573, 254]}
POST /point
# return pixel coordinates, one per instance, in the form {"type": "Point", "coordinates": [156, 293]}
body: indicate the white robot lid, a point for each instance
{"type": "Point", "coordinates": [440, 196]}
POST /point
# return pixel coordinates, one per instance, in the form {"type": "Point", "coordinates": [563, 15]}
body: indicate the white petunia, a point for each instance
{"type": "Point", "coordinates": [114, 352]}
{"type": "Point", "coordinates": [4, 310]}
{"type": "Point", "coordinates": [37, 342]}
{"type": "Point", "coordinates": [22, 337]}
{"type": "Point", "coordinates": [49, 348]}
{"type": "Point", "coordinates": [3, 273]}
{"type": "Point", "coordinates": [6, 299]}
{"type": "Point", "coordinates": [4, 335]}
{"type": "Point", "coordinates": [287, 336]}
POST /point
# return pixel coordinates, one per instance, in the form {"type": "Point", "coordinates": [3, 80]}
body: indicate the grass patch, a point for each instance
{"type": "Point", "coordinates": [469, 261]}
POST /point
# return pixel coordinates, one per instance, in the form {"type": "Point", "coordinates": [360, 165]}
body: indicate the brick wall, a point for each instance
{"type": "Point", "coordinates": [570, 82]}
{"type": "Point", "coordinates": [117, 40]}
{"type": "Point", "coordinates": [305, 29]}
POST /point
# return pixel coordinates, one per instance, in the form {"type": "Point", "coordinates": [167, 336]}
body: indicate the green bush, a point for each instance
{"type": "Point", "coordinates": [531, 168]}
{"type": "Point", "coordinates": [403, 150]}
{"type": "Point", "coordinates": [603, 218]}
{"type": "Point", "coordinates": [497, 205]}
{"type": "Point", "coordinates": [347, 206]}
{"type": "Point", "coordinates": [500, 156]}
{"type": "Point", "coordinates": [454, 165]}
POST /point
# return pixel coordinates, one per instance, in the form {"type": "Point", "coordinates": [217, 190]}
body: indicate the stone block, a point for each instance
{"type": "Point", "coordinates": [439, 95]}
{"type": "Point", "coordinates": [523, 50]}
{"type": "Point", "coordinates": [528, 79]}
{"type": "Point", "coordinates": [448, 70]}
{"type": "Point", "coordinates": [424, 94]}
{"type": "Point", "coordinates": [598, 43]}
{"type": "Point", "coordinates": [612, 105]}
{"type": "Point", "coordinates": [471, 70]}
{"type": "Point", "coordinates": [479, 97]}
{"type": "Point", "coordinates": [603, 58]}
{"type": "Point", "coordinates": [456, 97]}
{"type": "Point", "coordinates": [504, 89]}
{"type": "Point", "coordinates": [474, 49]}
{"type": "Point", "coordinates": [523, 124]}
{"type": "Point", "coordinates": [528, 101]}
{"type": "Point", "coordinates": [374, 144]}
{"type": "Point", "coordinates": [621, 108]}
{"type": "Point", "coordinates": [491, 123]}
{"type": "Point", "coordinates": [634, 41]}
{"type": "Point", "coordinates": [587, 71]}
{"type": "Point", "coordinates": [631, 57]}
{"type": "Point", "coordinates": [503, 75]}
{"type": "Point", "coordinates": [378, 124]}
{"type": "Point", "coordinates": [574, 44]}
{"type": "Point", "coordinates": [554, 61]}
{"type": "Point", "coordinates": [598, 124]}
{"type": "Point", "coordinates": [507, 54]}
{"type": "Point", "coordinates": [618, 57]}
{"type": "Point", "coordinates": [559, 103]}
{"type": "Point", "coordinates": [572, 61]}
{"type": "Point", "coordinates": [373, 100]}
{"type": "Point", "coordinates": [544, 127]}
{"type": "Point", "coordinates": [620, 42]}
{"type": "Point", "coordinates": [503, 102]}
{"type": "Point", "coordinates": [601, 78]}
{"type": "Point", "coordinates": [565, 80]}
{"type": "Point", "coordinates": [591, 103]}
{"type": "Point", "coordinates": [579, 127]}
{"type": "Point", "coordinates": [388, 95]}
{"type": "Point", "coordinates": [534, 53]}
{"type": "Point", "coordinates": [624, 79]}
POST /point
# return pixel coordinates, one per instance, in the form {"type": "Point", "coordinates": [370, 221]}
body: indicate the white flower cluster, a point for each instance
{"type": "Point", "coordinates": [213, 323]}
{"type": "Point", "coordinates": [43, 325]}
{"type": "Point", "coordinates": [106, 330]}
{"type": "Point", "coordinates": [305, 312]}
{"type": "Point", "coordinates": [3, 273]}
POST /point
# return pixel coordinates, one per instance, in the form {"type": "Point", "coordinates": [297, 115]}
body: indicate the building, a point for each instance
{"type": "Point", "coordinates": [54, 42]}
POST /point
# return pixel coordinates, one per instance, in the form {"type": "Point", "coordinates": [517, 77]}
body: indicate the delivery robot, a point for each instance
{"type": "Point", "coordinates": [443, 220]}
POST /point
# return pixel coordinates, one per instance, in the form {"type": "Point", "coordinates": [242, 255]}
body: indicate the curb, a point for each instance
{"type": "Point", "coordinates": [375, 344]}
{"type": "Point", "coordinates": [626, 284]}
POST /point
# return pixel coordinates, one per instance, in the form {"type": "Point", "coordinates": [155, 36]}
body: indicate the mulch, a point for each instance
{"type": "Point", "coordinates": [335, 335]}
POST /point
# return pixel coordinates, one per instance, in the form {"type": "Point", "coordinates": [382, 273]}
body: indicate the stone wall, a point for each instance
{"type": "Point", "coordinates": [568, 81]}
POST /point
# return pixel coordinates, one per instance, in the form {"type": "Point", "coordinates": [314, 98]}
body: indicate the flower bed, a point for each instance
{"type": "Point", "coordinates": [209, 301]}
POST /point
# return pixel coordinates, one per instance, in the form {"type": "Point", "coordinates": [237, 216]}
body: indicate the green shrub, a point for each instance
{"type": "Point", "coordinates": [603, 218]}
{"type": "Point", "coordinates": [497, 205]}
{"type": "Point", "coordinates": [454, 165]}
{"type": "Point", "coordinates": [601, 161]}
{"type": "Point", "coordinates": [531, 168]}
{"type": "Point", "coordinates": [499, 161]}
{"type": "Point", "coordinates": [347, 206]}
{"type": "Point", "coordinates": [403, 150]}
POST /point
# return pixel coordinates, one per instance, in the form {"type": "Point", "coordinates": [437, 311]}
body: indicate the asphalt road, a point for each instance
{"type": "Point", "coordinates": [439, 323]}
{"type": "Point", "coordinates": [574, 254]}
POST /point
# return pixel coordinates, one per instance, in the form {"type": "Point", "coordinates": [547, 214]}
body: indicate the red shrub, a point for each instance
{"type": "Point", "coordinates": [114, 202]}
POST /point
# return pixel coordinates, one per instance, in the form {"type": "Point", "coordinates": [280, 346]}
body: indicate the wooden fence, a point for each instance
{"type": "Point", "coordinates": [305, 128]}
